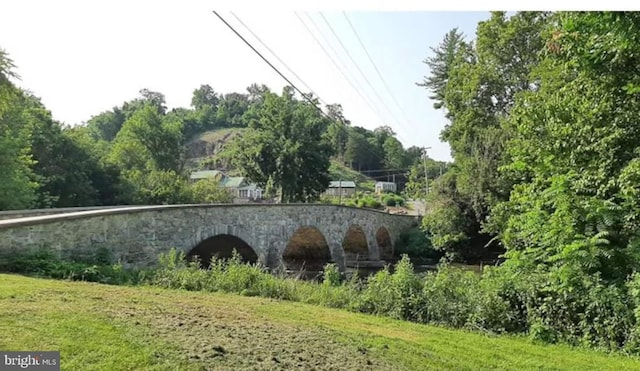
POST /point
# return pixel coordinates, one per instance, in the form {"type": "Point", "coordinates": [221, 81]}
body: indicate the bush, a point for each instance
{"type": "Point", "coordinates": [208, 191]}
{"type": "Point", "coordinates": [396, 295]}
{"type": "Point", "coordinates": [97, 268]}
{"type": "Point", "coordinates": [390, 199]}
{"type": "Point", "coordinates": [449, 296]}
{"type": "Point", "coordinates": [416, 244]}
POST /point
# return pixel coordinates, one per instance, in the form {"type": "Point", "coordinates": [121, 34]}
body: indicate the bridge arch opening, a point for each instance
{"type": "Point", "coordinates": [355, 244]}
{"type": "Point", "coordinates": [221, 246]}
{"type": "Point", "coordinates": [383, 238]}
{"type": "Point", "coordinates": [307, 249]}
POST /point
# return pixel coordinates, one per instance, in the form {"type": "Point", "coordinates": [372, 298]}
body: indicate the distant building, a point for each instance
{"type": "Point", "coordinates": [348, 188]}
{"type": "Point", "coordinates": [240, 188]}
{"type": "Point", "coordinates": [385, 187]}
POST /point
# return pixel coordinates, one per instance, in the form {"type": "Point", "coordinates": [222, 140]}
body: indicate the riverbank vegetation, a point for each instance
{"type": "Point", "coordinates": [496, 301]}
{"type": "Point", "coordinates": [113, 327]}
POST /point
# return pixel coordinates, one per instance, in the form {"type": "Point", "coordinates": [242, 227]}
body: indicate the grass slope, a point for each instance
{"type": "Point", "coordinates": [99, 327]}
{"type": "Point", "coordinates": [338, 171]}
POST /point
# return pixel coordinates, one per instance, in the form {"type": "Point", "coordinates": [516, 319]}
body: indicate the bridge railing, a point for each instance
{"type": "Point", "coordinates": [26, 217]}
{"type": "Point", "coordinates": [15, 214]}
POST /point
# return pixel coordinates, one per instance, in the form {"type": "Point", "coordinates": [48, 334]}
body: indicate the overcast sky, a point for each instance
{"type": "Point", "coordinates": [83, 58]}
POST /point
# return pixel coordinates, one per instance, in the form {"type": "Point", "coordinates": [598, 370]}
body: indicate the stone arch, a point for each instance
{"type": "Point", "coordinates": [355, 244]}
{"type": "Point", "coordinates": [385, 246]}
{"type": "Point", "coordinates": [306, 249]}
{"type": "Point", "coordinates": [221, 246]}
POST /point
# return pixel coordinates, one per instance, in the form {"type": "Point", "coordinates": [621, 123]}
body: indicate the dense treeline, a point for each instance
{"type": "Point", "coordinates": [135, 153]}
{"type": "Point", "coordinates": [542, 112]}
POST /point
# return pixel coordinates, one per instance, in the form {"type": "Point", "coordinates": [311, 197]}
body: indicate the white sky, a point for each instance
{"type": "Point", "coordinates": [85, 57]}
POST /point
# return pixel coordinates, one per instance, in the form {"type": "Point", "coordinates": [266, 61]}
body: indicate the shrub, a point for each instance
{"type": "Point", "coordinates": [416, 244]}
{"type": "Point", "coordinates": [96, 268]}
{"type": "Point", "coordinates": [390, 199]}
{"type": "Point", "coordinates": [449, 296]}
{"type": "Point", "coordinates": [396, 295]}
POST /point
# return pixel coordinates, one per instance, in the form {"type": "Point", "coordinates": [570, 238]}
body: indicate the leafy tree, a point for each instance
{"type": "Point", "coordinates": [17, 186]}
{"type": "Point", "coordinates": [155, 99]}
{"type": "Point", "coordinates": [106, 125]}
{"type": "Point", "coordinates": [478, 85]}
{"type": "Point", "coordinates": [157, 187]}
{"type": "Point", "coordinates": [440, 65]}
{"type": "Point", "coordinates": [356, 149]}
{"type": "Point", "coordinates": [394, 155]}
{"type": "Point", "coordinates": [209, 191]}
{"type": "Point", "coordinates": [285, 145]}
{"type": "Point", "coordinates": [575, 153]}
{"type": "Point", "coordinates": [148, 140]}
{"type": "Point", "coordinates": [205, 96]}
{"type": "Point", "coordinates": [231, 109]}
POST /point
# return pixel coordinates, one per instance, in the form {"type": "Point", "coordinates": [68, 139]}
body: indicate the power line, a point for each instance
{"type": "Point", "coordinates": [383, 170]}
{"type": "Point", "coordinates": [384, 82]}
{"type": "Point", "coordinates": [335, 64]}
{"type": "Point", "coordinates": [358, 67]}
{"type": "Point", "coordinates": [277, 71]}
{"type": "Point", "coordinates": [278, 58]}
{"type": "Point", "coordinates": [270, 65]}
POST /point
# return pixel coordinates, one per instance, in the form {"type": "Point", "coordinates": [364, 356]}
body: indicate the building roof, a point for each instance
{"type": "Point", "coordinates": [205, 174]}
{"type": "Point", "coordinates": [342, 184]}
{"type": "Point", "coordinates": [233, 182]}
{"type": "Point", "coordinates": [385, 183]}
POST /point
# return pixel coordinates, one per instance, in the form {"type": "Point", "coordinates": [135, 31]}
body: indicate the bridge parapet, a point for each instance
{"type": "Point", "coordinates": [136, 235]}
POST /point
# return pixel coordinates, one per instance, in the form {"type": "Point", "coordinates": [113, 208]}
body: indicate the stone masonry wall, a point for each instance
{"type": "Point", "coordinates": [136, 235]}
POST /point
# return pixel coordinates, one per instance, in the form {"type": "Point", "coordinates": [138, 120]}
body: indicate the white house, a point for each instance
{"type": "Point", "coordinates": [336, 187]}
{"type": "Point", "coordinates": [385, 187]}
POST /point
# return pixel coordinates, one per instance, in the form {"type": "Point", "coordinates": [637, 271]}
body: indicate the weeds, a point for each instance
{"type": "Point", "coordinates": [497, 301]}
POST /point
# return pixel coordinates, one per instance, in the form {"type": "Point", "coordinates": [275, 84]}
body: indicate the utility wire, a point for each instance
{"type": "Point", "coordinates": [335, 64]}
{"type": "Point", "coordinates": [358, 67]}
{"type": "Point", "coordinates": [278, 58]}
{"type": "Point", "coordinates": [277, 71]}
{"type": "Point", "coordinates": [344, 65]}
{"type": "Point", "coordinates": [384, 82]}
{"type": "Point", "coordinates": [383, 170]}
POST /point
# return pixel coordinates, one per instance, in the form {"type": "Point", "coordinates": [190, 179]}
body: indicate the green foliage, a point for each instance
{"type": "Point", "coordinates": [285, 145]}
{"type": "Point", "coordinates": [416, 244]}
{"type": "Point", "coordinates": [209, 191]}
{"type": "Point", "coordinates": [159, 187]}
{"type": "Point", "coordinates": [107, 161]}
{"type": "Point", "coordinates": [44, 263]}
{"type": "Point", "coordinates": [394, 294]}
{"type": "Point", "coordinates": [476, 85]}
{"type": "Point", "coordinates": [148, 141]}
{"type": "Point", "coordinates": [392, 200]}
{"type": "Point", "coordinates": [331, 276]}
{"type": "Point", "coordinates": [17, 185]}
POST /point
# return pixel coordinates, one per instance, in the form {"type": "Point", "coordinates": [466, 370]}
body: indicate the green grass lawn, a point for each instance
{"type": "Point", "coordinates": [337, 171]}
{"type": "Point", "coordinates": [100, 327]}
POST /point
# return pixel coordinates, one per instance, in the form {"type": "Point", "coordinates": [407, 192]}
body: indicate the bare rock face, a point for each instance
{"type": "Point", "coordinates": [209, 145]}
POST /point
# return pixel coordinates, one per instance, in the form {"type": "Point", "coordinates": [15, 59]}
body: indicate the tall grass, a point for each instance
{"type": "Point", "coordinates": [498, 300]}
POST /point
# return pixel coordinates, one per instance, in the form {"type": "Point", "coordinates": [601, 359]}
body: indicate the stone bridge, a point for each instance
{"type": "Point", "coordinates": [281, 235]}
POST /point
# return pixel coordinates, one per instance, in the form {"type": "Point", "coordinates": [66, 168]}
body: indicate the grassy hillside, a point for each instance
{"type": "Point", "coordinates": [341, 172]}
{"type": "Point", "coordinates": [99, 327]}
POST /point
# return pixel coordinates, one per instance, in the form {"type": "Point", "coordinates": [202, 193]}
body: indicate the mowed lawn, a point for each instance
{"type": "Point", "coordinates": [101, 327]}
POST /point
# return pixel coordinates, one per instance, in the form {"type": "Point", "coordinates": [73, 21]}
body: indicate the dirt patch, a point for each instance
{"type": "Point", "coordinates": [223, 337]}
